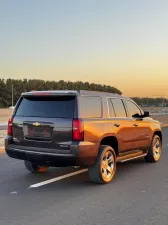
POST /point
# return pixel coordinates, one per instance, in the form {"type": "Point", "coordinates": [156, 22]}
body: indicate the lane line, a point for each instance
{"type": "Point", "coordinates": [57, 178]}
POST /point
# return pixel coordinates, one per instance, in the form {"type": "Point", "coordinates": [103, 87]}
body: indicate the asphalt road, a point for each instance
{"type": "Point", "coordinates": [138, 195]}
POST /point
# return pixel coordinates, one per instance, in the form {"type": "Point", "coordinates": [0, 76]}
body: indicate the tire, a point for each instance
{"type": "Point", "coordinates": [103, 171]}
{"type": "Point", "coordinates": [35, 168]}
{"type": "Point", "coordinates": [155, 150]}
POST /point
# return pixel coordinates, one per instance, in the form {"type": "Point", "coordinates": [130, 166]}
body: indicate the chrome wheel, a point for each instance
{"type": "Point", "coordinates": [107, 166]}
{"type": "Point", "coordinates": [104, 168]}
{"type": "Point", "coordinates": [157, 149]}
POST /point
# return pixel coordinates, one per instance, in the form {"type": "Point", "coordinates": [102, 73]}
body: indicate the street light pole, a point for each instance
{"type": "Point", "coordinates": [12, 95]}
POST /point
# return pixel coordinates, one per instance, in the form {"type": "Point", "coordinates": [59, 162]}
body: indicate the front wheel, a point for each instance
{"type": "Point", "coordinates": [104, 169]}
{"type": "Point", "coordinates": [154, 152]}
{"type": "Point", "coordinates": [35, 168]}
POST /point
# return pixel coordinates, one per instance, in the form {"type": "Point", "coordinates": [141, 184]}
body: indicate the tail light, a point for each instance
{"type": "Point", "coordinates": [78, 132]}
{"type": "Point", "coordinates": [10, 130]}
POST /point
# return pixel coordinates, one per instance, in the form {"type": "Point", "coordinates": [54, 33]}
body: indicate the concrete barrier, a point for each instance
{"type": "Point", "coordinates": [3, 126]}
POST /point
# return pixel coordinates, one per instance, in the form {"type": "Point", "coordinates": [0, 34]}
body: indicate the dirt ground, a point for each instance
{"type": "Point", "coordinates": [4, 115]}
{"type": "Point", "coordinates": [156, 109]}
{"type": "Point", "coordinates": [162, 118]}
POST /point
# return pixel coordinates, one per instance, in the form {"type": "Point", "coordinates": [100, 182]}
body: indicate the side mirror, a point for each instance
{"type": "Point", "coordinates": [136, 115]}
{"type": "Point", "coordinates": [146, 114]}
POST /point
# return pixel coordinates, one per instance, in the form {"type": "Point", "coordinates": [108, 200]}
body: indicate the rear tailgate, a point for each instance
{"type": "Point", "coordinates": [44, 121]}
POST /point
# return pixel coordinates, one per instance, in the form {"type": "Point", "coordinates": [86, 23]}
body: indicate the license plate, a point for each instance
{"type": "Point", "coordinates": [38, 132]}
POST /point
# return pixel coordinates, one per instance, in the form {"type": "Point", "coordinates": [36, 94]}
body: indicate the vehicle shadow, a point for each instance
{"type": "Point", "coordinates": [128, 175]}
{"type": "Point", "coordinates": [124, 170]}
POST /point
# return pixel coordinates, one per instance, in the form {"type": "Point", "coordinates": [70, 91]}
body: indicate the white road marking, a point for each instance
{"type": "Point", "coordinates": [165, 145]}
{"type": "Point", "coordinates": [76, 167]}
{"type": "Point", "coordinates": [13, 193]}
{"type": "Point", "coordinates": [57, 178]}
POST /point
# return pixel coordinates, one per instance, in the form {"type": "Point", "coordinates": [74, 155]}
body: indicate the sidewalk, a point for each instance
{"type": "Point", "coordinates": [2, 136]}
{"type": "Point", "coordinates": [3, 126]}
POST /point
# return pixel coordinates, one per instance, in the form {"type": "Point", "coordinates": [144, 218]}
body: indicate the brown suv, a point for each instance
{"type": "Point", "coordinates": [85, 128]}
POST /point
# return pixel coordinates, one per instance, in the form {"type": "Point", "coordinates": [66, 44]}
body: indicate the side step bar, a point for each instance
{"type": "Point", "coordinates": [129, 157]}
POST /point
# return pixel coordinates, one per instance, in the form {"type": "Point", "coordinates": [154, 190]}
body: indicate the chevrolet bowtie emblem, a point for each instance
{"type": "Point", "coordinates": [36, 124]}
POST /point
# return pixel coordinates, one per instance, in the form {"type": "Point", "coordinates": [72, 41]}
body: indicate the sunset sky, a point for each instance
{"type": "Point", "coordinates": [122, 43]}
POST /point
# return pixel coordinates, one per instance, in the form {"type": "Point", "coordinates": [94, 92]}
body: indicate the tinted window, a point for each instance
{"type": "Point", "coordinates": [60, 107]}
{"type": "Point", "coordinates": [111, 109]}
{"type": "Point", "coordinates": [118, 107]}
{"type": "Point", "coordinates": [132, 108]}
{"type": "Point", "coordinates": [90, 107]}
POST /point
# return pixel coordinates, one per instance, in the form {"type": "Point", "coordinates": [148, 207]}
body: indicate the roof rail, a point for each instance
{"type": "Point", "coordinates": [99, 93]}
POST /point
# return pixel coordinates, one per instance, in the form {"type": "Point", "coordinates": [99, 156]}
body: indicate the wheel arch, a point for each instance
{"type": "Point", "coordinates": [159, 133]}
{"type": "Point", "coordinates": [112, 141]}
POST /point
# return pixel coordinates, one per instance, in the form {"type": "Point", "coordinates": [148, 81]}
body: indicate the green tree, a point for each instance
{"type": "Point", "coordinates": [25, 85]}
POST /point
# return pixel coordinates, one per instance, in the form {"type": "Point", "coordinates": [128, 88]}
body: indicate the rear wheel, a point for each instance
{"type": "Point", "coordinates": [35, 168]}
{"type": "Point", "coordinates": [155, 150]}
{"type": "Point", "coordinates": [104, 169]}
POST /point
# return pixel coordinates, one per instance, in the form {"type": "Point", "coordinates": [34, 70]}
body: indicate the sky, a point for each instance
{"type": "Point", "coordinates": [122, 43]}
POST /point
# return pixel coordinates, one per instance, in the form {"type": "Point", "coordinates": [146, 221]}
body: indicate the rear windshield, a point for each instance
{"type": "Point", "coordinates": [52, 107]}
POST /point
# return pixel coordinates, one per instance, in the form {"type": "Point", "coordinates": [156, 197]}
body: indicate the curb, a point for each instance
{"type": "Point", "coordinates": [3, 126]}
{"type": "Point", "coordinates": [2, 150]}
{"type": "Point", "coordinates": [164, 125]}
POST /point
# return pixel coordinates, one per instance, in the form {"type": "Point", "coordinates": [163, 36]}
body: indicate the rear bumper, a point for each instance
{"type": "Point", "coordinates": [82, 154]}
{"type": "Point", "coordinates": [48, 158]}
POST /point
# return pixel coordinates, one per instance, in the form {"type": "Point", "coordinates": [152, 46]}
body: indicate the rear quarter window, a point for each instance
{"type": "Point", "coordinates": [119, 107]}
{"type": "Point", "coordinates": [51, 107]}
{"type": "Point", "coordinates": [90, 107]}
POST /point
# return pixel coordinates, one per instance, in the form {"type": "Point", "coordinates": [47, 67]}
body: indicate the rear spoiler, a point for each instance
{"type": "Point", "coordinates": [49, 93]}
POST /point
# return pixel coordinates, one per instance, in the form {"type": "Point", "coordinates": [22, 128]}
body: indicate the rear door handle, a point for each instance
{"type": "Point", "coordinates": [135, 125]}
{"type": "Point", "coordinates": [117, 125]}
